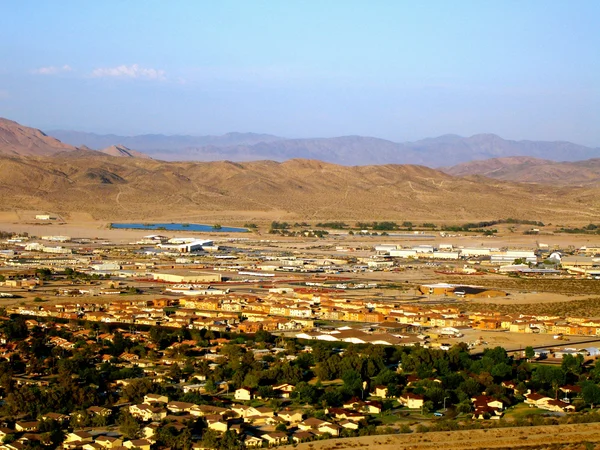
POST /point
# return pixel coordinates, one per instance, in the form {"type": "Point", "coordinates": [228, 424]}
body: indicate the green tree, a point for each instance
{"type": "Point", "coordinates": [501, 371]}
{"type": "Point", "coordinates": [591, 394]}
{"type": "Point", "coordinates": [529, 352]}
{"type": "Point", "coordinates": [128, 425]}
{"type": "Point", "coordinates": [305, 393]}
{"type": "Point", "coordinates": [353, 382]}
{"type": "Point", "coordinates": [210, 387]}
{"type": "Point", "coordinates": [572, 364]}
{"type": "Point", "coordinates": [553, 376]}
{"type": "Point", "coordinates": [168, 436]}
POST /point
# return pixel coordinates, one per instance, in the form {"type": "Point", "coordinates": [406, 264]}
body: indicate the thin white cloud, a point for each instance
{"type": "Point", "coordinates": [132, 71]}
{"type": "Point", "coordinates": [52, 70]}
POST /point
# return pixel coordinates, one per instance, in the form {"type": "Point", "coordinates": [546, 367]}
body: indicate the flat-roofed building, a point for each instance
{"type": "Point", "coordinates": [186, 276]}
{"type": "Point", "coordinates": [186, 245]}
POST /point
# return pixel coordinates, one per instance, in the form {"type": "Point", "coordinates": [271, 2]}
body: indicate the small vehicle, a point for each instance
{"type": "Point", "coordinates": [438, 414]}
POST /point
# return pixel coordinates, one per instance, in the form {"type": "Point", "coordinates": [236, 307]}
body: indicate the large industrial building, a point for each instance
{"type": "Point", "coordinates": [510, 256]}
{"type": "Point", "coordinates": [185, 245]}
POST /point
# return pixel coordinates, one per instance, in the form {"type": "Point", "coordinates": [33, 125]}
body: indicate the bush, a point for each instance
{"type": "Point", "coordinates": [405, 428]}
{"type": "Point", "coordinates": [422, 428]}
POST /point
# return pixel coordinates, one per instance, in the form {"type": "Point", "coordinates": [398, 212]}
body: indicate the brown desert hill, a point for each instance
{"type": "Point", "coordinates": [487, 167]}
{"type": "Point", "coordinates": [122, 151]}
{"type": "Point", "coordinates": [16, 139]}
{"type": "Point", "coordinates": [532, 170]}
{"type": "Point", "coordinates": [145, 189]}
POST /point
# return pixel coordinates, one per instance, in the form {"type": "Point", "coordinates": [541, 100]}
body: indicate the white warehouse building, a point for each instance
{"type": "Point", "coordinates": [188, 246]}
{"type": "Point", "coordinates": [511, 255]}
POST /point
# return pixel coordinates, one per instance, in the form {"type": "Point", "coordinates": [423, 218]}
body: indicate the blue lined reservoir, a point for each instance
{"type": "Point", "coordinates": [178, 227]}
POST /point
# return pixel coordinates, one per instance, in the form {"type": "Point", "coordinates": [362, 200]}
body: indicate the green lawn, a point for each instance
{"type": "Point", "coordinates": [522, 411]}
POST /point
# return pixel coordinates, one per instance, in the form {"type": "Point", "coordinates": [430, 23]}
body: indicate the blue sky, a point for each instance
{"type": "Point", "coordinates": [393, 69]}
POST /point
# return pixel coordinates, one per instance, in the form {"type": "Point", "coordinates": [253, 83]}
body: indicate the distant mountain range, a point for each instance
{"type": "Point", "coordinates": [154, 143]}
{"type": "Point", "coordinates": [447, 150]}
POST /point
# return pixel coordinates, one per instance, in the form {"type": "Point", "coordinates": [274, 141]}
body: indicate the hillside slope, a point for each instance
{"type": "Point", "coordinates": [532, 170]}
{"type": "Point", "coordinates": [122, 151]}
{"type": "Point", "coordinates": [16, 139]}
{"type": "Point", "coordinates": [142, 189]}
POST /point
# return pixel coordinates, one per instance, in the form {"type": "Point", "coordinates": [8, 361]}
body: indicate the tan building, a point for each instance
{"type": "Point", "coordinates": [186, 276]}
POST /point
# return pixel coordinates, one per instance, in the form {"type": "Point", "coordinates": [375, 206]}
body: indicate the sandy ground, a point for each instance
{"type": "Point", "coordinates": [513, 438]}
{"type": "Point", "coordinates": [78, 224]}
{"type": "Point", "coordinates": [514, 341]}
{"type": "Point", "coordinates": [533, 297]}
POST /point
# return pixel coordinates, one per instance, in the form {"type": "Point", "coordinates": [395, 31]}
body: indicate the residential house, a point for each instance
{"type": "Point", "coordinates": [147, 412]}
{"type": "Point", "coordinates": [411, 401]}
{"type": "Point", "coordinates": [302, 436]}
{"type": "Point", "coordinates": [108, 442]}
{"type": "Point", "coordinates": [180, 407]}
{"type": "Point", "coordinates": [141, 444]}
{"type": "Point", "coordinates": [284, 390]}
{"type": "Point", "coordinates": [27, 425]}
{"type": "Point", "coordinates": [60, 418]}
{"type": "Point", "coordinates": [381, 391]}
{"type": "Point", "coordinates": [4, 431]}
{"type": "Point", "coordinates": [535, 399]}
{"type": "Point", "coordinates": [78, 438]}
{"type": "Point", "coordinates": [244, 394]}
{"type": "Point", "coordinates": [155, 398]}
{"type": "Point", "coordinates": [312, 423]}
{"type": "Point", "coordinates": [557, 405]}
{"type": "Point", "coordinates": [217, 423]}
{"type": "Point", "coordinates": [373, 407]}
{"type": "Point", "coordinates": [293, 417]}
{"type": "Point", "coordinates": [206, 410]}
{"type": "Point", "coordinates": [330, 428]}
{"type": "Point", "coordinates": [275, 438]}
{"type": "Point", "coordinates": [486, 401]}
{"type": "Point", "coordinates": [92, 446]}
{"type": "Point", "coordinates": [349, 424]}
{"type": "Point", "coordinates": [99, 411]}
{"type": "Point", "coordinates": [252, 442]}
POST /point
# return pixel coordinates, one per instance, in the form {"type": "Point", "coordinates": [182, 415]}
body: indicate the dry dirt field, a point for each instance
{"type": "Point", "coordinates": [80, 224]}
{"type": "Point", "coordinates": [576, 436]}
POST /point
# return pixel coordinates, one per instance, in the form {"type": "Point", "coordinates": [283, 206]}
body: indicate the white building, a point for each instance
{"type": "Point", "coordinates": [56, 238]}
{"type": "Point", "coordinates": [423, 248]}
{"type": "Point", "coordinates": [510, 256]}
{"type": "Point", "coordinates": [468, 252]}
{"type": "Point", "coordinates": [404, 253]}
{"type": "Point", "coordinates": [441, 255]}
{"type": "Point", "coordinates": [385, 248]}
{"type": "Point", "coordinates": [184, 245]}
